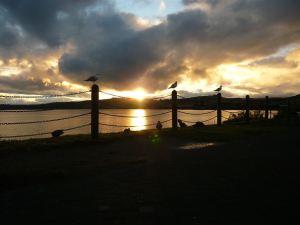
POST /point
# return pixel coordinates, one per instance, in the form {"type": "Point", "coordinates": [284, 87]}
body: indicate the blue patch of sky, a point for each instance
{"type": "Point", "coordinates": [149, 9]}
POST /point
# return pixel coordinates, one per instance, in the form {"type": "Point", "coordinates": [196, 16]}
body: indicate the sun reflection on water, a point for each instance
{"type": "Point", "coordinates": [139, 121]}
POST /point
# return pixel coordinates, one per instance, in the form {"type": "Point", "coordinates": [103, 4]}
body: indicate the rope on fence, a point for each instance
{"type": "Point", "coordinates": [120, 96]}
{"type": "Point", "coordinates": [77, 127]}
{"type": "Point", "coordinates": [235, 112]}
{"type": "Point", "coordinates": [42, 134]}
{"type": "Point", "coordinates": [113, 95]}
{"type": "Point", "coordinates": [123, 126]}
{"type": "Point", "coordinates": [204, 121]}
{"type": "Point", "coordinates": [180, 96]}
{"type": "Point", "coordinates": [226, 118]}
{"type": "Point", "coordinates": [161, 97]}
{"type": "Point", "coordinates": [196, 114]}
{"type": "Point", "coordinates": [124, 116]}
{"type": "Point", "coordinates": [24, 111]}
{"type": "Point", "coordinates": [44, 121]}
{"type": "Point", "coordinates": [43, 96]}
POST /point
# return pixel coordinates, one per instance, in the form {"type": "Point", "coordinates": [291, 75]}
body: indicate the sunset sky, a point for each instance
{"type": "Point", "coordinates": [141, 46]}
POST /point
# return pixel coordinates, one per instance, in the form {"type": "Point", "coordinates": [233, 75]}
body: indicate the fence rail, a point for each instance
{"type": "Point", "coordinates": [96, 113]}
{"type": "Point", "coordinates": [44, 121]}
{"type": "Point", "coordinates": [44, 96]}
{"type": "Point", "coordinates": [125, 116]}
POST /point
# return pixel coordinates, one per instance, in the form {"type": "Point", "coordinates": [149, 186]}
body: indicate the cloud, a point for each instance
{"type": "Point", "coordinates": [204, 39]}
{"type": "Point", "coordinates": [162, 5]}
{"type": "Point", "coordinates": [95, 38]}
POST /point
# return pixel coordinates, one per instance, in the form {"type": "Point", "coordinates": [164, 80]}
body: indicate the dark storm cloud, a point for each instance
{"type": "Point", "coordinates": [110, 43]}
{"type": "Point", "coordinates": [242, 29]}
{"type": "Point", "coordinates": [42, 18]}
{"type": "Point", "coordinates": [24, 84]}
{"type": "Point", "coordinates": [115, 49]}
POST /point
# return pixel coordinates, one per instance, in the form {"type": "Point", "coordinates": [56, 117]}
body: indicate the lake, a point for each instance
{"type": "Point", "coordinates": [138, 121]}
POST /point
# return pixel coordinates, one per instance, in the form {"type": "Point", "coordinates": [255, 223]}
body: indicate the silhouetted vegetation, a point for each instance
{"type": "Point", "coordinates": [256, 115]}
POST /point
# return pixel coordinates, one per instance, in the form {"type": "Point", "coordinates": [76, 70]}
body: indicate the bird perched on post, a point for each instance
{"type": "Point", "coordinates": [219, 89]}
{"type": "Point", "coordinates": [173, 85]}
{"type": "Point", "coordinates": [92, 79]}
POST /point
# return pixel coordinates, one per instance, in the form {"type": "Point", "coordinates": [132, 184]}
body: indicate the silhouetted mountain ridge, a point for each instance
{"type": "Point", "coordinates": [202, 102]}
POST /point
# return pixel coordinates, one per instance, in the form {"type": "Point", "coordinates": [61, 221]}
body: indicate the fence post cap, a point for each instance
{"type": "Point", "coordinates": [95, 86]}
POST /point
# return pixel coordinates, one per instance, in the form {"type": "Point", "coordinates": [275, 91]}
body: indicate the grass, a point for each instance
{"type": "Point", "coordinates": [251, 178]}
{"type": "Point", "coordinates": [225, 133]}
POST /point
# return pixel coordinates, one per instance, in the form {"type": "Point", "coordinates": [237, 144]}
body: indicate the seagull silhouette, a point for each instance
{"type": "Point", "coordinates": [173, 85]}
{"type": "Point", "coordinates": [219, 89]}
{"type": "Point", "coordinates": [92, 79]}
{"type": "Point", "coordinates": [57, 133]}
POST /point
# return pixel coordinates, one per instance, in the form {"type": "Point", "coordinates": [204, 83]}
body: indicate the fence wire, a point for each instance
{"type": "Point", "coordinates": [43, 96]}
{"type": "Point", "coordinates": [123, 126]}
{"type": "Point", "coordinates": [113, 95]}
{"type": "Point", "coordinates": [44, 121]}
{"type": "Point", "coordinates": [204, 121]}
{"type": "Point", "coordinates": [196, 114]}
{"type": "Point", "coordinates": [125, 116]}
{"type": "Point", "coordinates": [43, 133]}
{"type": "Point", "coordinates": [25, 111]}
{"type": "Point", "coordinates": [161, 97]}
{"type": "Point", "coordinates": [124, 97]}
{"type": "Point", "coordinates": [234, 112]}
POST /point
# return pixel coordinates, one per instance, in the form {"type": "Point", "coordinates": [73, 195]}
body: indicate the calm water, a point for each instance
{"type": "Point", "coordinates": [140, 121]}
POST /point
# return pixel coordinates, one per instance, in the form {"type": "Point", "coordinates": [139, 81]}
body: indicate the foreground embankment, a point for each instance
{"type": "Point", "coordinates": [235, 174]}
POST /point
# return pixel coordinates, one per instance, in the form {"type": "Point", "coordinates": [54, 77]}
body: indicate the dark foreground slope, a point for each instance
{"type": "Point", "coordinates": [251, 177]}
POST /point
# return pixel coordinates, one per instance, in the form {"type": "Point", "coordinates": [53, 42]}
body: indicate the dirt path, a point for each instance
{"type": "Point", "coordinates": [139, 182]}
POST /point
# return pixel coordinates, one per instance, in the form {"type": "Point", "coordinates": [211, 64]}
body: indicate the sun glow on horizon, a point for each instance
{"type": "Point", "coordinates": [138, 94]}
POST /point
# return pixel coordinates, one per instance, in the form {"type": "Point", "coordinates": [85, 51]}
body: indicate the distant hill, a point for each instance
{"type": "Point", "coordinates": [203, 102]}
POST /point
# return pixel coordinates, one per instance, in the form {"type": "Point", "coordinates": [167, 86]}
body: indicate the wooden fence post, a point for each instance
{"type": "Point", "coordinates": [267, 108]}
{"type": "Point", "coordinates": [174, 109]}
{"type": "Point", "coordinates": [247, 115]}
{"type": "Point", "coordinates": [219, 109]}
{"type": "Point", "coordinates": [95, 112]}
{"type": "Point", "coordinates": [289, 111]}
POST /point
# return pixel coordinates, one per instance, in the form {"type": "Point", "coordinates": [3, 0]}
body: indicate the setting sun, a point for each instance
{"type": "Point", "coordinates": [138, 94]}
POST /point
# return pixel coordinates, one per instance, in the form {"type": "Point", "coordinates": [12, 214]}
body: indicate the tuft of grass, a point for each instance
{"type": "Point", "coordinates": [227, 132]}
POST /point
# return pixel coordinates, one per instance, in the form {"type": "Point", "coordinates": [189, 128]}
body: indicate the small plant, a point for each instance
{"type": "Point", "coordinates": [241, 117]}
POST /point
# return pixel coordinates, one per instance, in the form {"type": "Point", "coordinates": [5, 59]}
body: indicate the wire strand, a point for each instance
{"type": "Point", "coordinates": [204, 121]}
{"type": "Point", "coordinates": [120, 96]}
{"type": "Point", "coordinates": [235, 112]}
{"type": "Point", "coordinates": [196, 114]}
{"type": "Point", "coordinates": [113, 95]}
{"type": "Point", "coordinates": [25, 111]}
{"type": "Point", "coordinates": [42, 134]}
{"type": "Point", "coordinates": [44, 121]}
{"type": "Point", "coordinates": [226, 118]}
{"type": "Point", "coordinates": [43, 96]}
{"type": "Point", "coordinates": [160, 97]}
{"type": "Point", "coordinates": [124, 116]}
{"type": "Point", "coordinates": [182, 97]}
{"type": "Point", "coordinates": [123, 126]}
{"type": "Point", "coordinates": [77, 127]}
